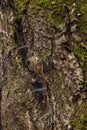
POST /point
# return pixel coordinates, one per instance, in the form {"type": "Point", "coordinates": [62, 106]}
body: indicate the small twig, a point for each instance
{"type": "Point", "coordinates": [39, 89]}
{"type": "Point", "coordinates": [22, 47]}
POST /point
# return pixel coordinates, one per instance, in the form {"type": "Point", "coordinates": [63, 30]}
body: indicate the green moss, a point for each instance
{"type": "Point", "coordinates": [82, 8]}
{"type": "Point", "coordinates": [55, 2]}
{"type": "Point", "coordinates": [81, 55]}
{"type": "Point", "coordinates": [55, 13]}
{"type": "Point", "coordinates": [1, 35]}
{"type": "Point", "coordinates": [55, 16]}
{"type": "Point", "coordinates": [54, 10]}
{"type": "Point", "coordinates": [79, 121]}
{"type": "Point", "coordinates": [86, 103]}
{"type": "Point", "coordinates": [45, 2]}
{"type": "Point", "coordinates": [85, 120]}
{"type": "Point", "coordinates": [79, 124]}
{"type": "Point", "coordinates": [21, 8]}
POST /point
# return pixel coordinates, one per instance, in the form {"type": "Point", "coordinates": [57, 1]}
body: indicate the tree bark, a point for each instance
{"type": "Point", "coordinates": [43, 66]}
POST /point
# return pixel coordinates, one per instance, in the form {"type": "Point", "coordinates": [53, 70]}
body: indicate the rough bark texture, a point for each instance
{"type": "Point", "coordinates": [43, 65]}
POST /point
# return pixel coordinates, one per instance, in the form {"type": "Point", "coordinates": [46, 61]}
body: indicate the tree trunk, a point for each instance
{"type": "Point", "coordinates": [43, 65]}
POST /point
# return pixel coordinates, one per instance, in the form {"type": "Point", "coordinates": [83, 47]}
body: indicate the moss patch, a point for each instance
{"type": "Point", "coordinates": [82, 8]}
{"type": "Point", "coordinates": [20, 9]}
{"type": "Point", "coordinates": [81, 55]}
{"type": "Point", "coordinates": [53, 9]}
{"type": "Point", "coordinates": [22, 5]}
{"type": "Point", "coordinates": [79, 121]}
{"type": "Point", "coordinates": [55, 2]}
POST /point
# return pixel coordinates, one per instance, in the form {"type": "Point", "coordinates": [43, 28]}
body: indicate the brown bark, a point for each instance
{"type": "Point", "coordinates": [43, 87]}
